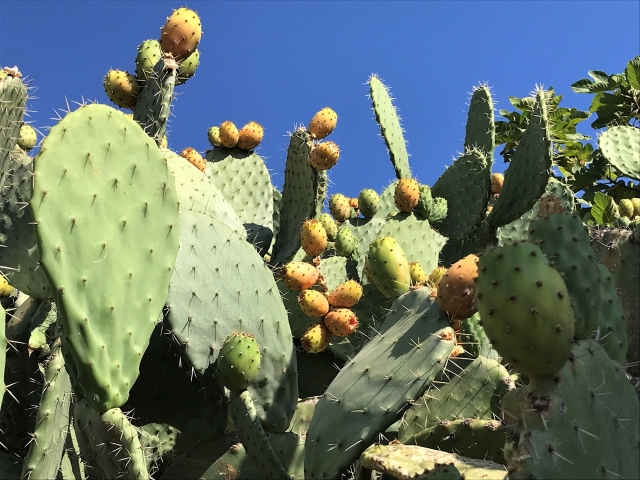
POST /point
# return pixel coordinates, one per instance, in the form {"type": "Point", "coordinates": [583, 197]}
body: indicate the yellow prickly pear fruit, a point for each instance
{"type": "Point", "coordinates": [339, 207]}
{"type": "Point", "coordinates": [407, 194]}
{"type": "Point", "coordinates": [194, 158]}
{"type": "Point", "coordinates": [434, 277]}
{"type": "Point", "coordinates": [122, 88]}
{"type": "Point", "coordinates": [181, 34]}
{"type": "Point", "coordinates": [250, 136]}
{"type": "Point", "coordinates": [229, 134]}
{"type": "Point", "coordinates": [313, 303]}
{"type": "Point", "coordinates": [5, 288]}
{"type": "Point", "coordinates": [313, 237]}
{"type": "Point", "coordinates": [341, 322]}
{"type": "Point", "coordinates": [323, 123]}
{"type": "Point", "coordinates": [213, 134]}
{"type": "Point", "coordinates": [636, 206]}
{"type": "Point", "coordinates": [299, 275]}
{"type": "Point", "coordinates": [497, 179]}
{"type": "Point", "coordinates": [324, 155]}
{"type": "Point", "coordinates": [28, 138]}
{"type": "Point", "coordinates": [548, 205]}
{"type": "Point", "coordinates": [457, 289]}
{"type": "Point", "coordinates": [316, 339]}
{"type": "Point", "coordinates": [626, 208]}
{"type": "Point", "coordinates": [346, 295]}
{"type": "Point", "coordinates": [418, 275]}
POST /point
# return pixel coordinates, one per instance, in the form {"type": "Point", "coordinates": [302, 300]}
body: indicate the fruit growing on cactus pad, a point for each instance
{"type": "Point", "coordinates": [194, 158]}
{"type": "Point", "coordinates": [313, 303]}
{"type": "Point", "coordinates": [323, 123]}
{"type": "Point", "coordinates": [368, 202]}
{"type": "Point", "coordinates": [497, 179]}
{"type": "Point", "coordinates": [213, 135]}
{"type": "Point", "coordinates": [27, 139]}
{"type": "Point", "coordinates": [122, 88]}
{"type": "Point", "coordinates": [313, 237]}
{"type": "Point", "coordinates": [389, 267]}
{"type": "Point", "coordinates": [250, 136]}
{"type": "Point", "coordinates": [239, 361]}
{"type": "Point", "coordinates": [339, 207]}
{"type": "Point", "coordinates": [456, 290]}
{"type": "Point", "coordinates": [299, 275]}
{"type": "Point", "coordinates": [418, 275]}
{"type": "Point", "coordinates": [181, 34]}
{"type": "Point", "coordinates": [346, 295]}
{"type": "Point", "coordinates": [229, 134]}
{"type": "Point", "coordinates": [324, 155]}
{"type": "Point", "coordinates": [329, 225]}
{"type": "Point", "coordinates": [316, 339]}
{"type": "Point", "coordinates": [407, 194]}
{"type": "Point", "coordinates": [341, 322]}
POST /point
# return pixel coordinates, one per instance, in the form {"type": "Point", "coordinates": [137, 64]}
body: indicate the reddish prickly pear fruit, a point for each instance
{"type": "Point", "coordinates": [329, 225]}
{"type": "Point", "coordinates": [316, 339]}
{"type": "Point", "coordinates": [250, 136]}
{"type": "Point", "coordinates": [341, 322]}
{"type": "Point", "coordinates": [239, 361]}
{"type": "Point", "coordinates": [122, 88]}
{"type": "Point", "coordinates": [229, 134]}
{"type": "Point", "coordinates": [181, 34]}
{"type": "Point", "coordinates": [194, 158]}
{"type": "Point", "coordinates": [418, 275]}
{"type": "Point", "coordinates": [299, 275]}
{"type": "Point", "coordinates": [548, 205]}
{"type": "Point", "coordinates": [339, 207]}
{"type": "Point", "coordinates": [407, 194]}
{"type": "Point", "coordinates": [346, 295]}
{"type": "Point", "coordinates": [456, 290]}
{"type": "Point", "coordinates": [497, 179]}
{"type": "Point", "coordinates": [324, 155]}
{"type": "Point", "coordinates": [213, 135]}
{"type": "Point", "coordinates": [323, 123]}
{"type": "Point", "coordinates": [313, 303]}
{"type": "Point", "coordinates": [313, 237]}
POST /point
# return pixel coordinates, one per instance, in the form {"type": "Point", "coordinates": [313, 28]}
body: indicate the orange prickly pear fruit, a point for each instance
{"type": "Point", "coordinates": [194, 158]}
{"type": "Point", "coordinates": [313, 303]}
{"type": "Point", "coordinates": [324, 155]}
{"type": "Point", "coordinates": [299, 275]}
{"type": "Point", "coordinates": [418, 275]}
{"type": "Point", "coordinates": [122, 88]}
{"type": "Point", "coordinates": [407, 194]}
{"type": "Point", "coordinates": [323, 123]}
{"type": "Point", "coordinates": [457, 289]}
{"type": "Point", "coordinates": [313, 237]}
{"type": "Point", "coordinates": [229, 134]}
{"type": "Point", "coordinates": [341, 322]}
{"type": "Point", "coordinates": [181, 34]}
{"type": "Point", "coordinates": [316, 338]}
{"type": "Point", "coordinates": [353, 203]}
{"type": "Point", "coordinates": [346, 295]}
{"type": "Point", "coordinates": [250, 136]}
{"type": "Point", "coordinates": [497, 179]}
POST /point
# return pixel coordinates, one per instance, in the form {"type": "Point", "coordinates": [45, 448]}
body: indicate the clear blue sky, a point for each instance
{"type": "Point", "coordinates": [279, 62]}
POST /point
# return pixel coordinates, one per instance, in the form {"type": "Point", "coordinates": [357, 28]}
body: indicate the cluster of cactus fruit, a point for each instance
{"type": "Point", "coordinates": [476, 328]}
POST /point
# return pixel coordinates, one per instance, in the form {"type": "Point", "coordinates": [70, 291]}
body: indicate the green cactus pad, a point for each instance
{"type": "Point", "coordinates": [472, 337]}
{"type": "Point", "coordinates": [387, 118]}
{"type": "Point", "coordinates": [481, 130]}
{"type": "Point", "coordinates": [465, 185]}
{"type": "Point", "coordinates": [528, 173]}
{"type": "Point", "coordinates": [474, 392]}
{"type": "Point", "coordinates": [277, 202]}
{"type": "Point", "coordinates": [371, 391]}
{"type": "Point", "coordinates": [244, 181]}
{"type": "Point", "coordinates": [612, 333]}
{"type": "Point", "coordinates": [221, 285]}
{"type": "Point", "coordinates": [583, 423]}
{"type": "Point", "coordinates": [156, 439]}
{"type": "Point", "coordinates": [3, 351]}
{"type": "Point", "coordinates": [107, 224]}
{"type": "Point", "coordinates": [387, 201]}
{"type": "Point", "coordinates": [621, 146]}
{"type": "Point", "coordinates": [13, 99]}
{"type": "Point", "coordinates": [239, 361]}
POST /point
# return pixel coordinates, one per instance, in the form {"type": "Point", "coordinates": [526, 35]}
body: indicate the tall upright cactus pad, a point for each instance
{"type": "Point", "coordinates": [481, 128]}
{"type": "Point", "coordinates": [612, 333]}
{"type": "Point", "coordinates": [107, 224]}
{"type": "Point", "coordinates": [221, 285]}
{"type": "Point", "coordinates": [372, 390]}
{"type": "Point", "coordinates": [582, 423]}
{"type": "Point", "coordinates": [244, 181]}
{"type": "Point", "coordinates": [465, 185]}
{"type": "Point", "coordinates": [621, 146]}
{"type": "Point", "coordinates": [13, 98]}
{"type": "Point", "coordinates": [387, 118]}
{"type": "Point", "coordinates": [529, 170]}
{"type": "Point", "coordinates": [3, 351]}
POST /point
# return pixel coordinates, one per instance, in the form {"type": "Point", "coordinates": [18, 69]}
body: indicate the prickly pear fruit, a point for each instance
{"type": "Point", "coordinates": [213, 135]}
{"type": "Point", "coordinates": [299, 275]}
{"type": "Point", "coordinates": [341, 322]}
{"type": "Point", "coordinates": [322, 123]}
{"type": "Point", "coordinates": [367, 272]}
{"type": "Point", "coordinates": [389, 267]}
{"type": "Point", "coordinates": [457, 288]}
{"type": "Point", "coordinates": [548, 205]}
{"type": "Point", "coordinates": [229, 134]}
{"type": "Point", "coordinates": [324, 155]}
{"type": "Point", "coordinates": [313, 237]}
{"type": "Point", "coordinates": [27, 139]}
{"type": "Point", "coordinates": [346, 242]}
{"type": "Point", "coordinates": [313, 303]}
{"type": "Point", "coordinates": [438, 211]}
{"type": "Point", "coordinates": [149, 53]}
{"type": "Point", "coordinates": [425, 202]}
{"type": "Point", "coordinates": [187, 67]}
{"type": "Point", "coordinates": [434, 277]}
{"type": "Point", "coordinates": [339, 207]}
{"type": "Point", "coordinates": [316, 339]}
{"type": "Point", "coordinates": [636, 206]}
{"type": "Point", "coordinates": [181, 34]}
{"type": "Point", "coordinates": [194, 158]}
{"type": "Point", "coordinates": [407, 194]}
{"type": "Point", "coordinates": [122, 88]}
{"type": "Point", "coordinates": [5, 289]}
{"type": "Point", "coordinates": [625, 205]}
{"type": "Point", "coordinates": [497, 179]}
{"type": "Point", "coordinates": [250, 136]}
{"type": "Point", "coordinates": [353, 203]}
{"type": "Point", "coordinates": [346, 295]}
{"type": "Point", "coordinates": [525, 308]}
{"type": "Point", "coordinates": [418, 275]}
{"type": "Point", "coordinates": [239, 361]}
{"type": "Point", "coordinates": [329, 225]}
{"type": "Point", "coordinates": [368, 202]}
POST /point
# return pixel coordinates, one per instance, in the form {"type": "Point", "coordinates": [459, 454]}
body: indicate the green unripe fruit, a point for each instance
{"type": "Point", "coordinates": [187, 67]}
{"type": "Point", "coordinates": [27, 139]}
{"type": "Point", "coordinates": [339, 207]}
{"type": "Point", "coordinates": [239, 361]}
{"type": "Point", "coordinates": [389, 267]}
{"type": "Point", "coordinates": [214, 136]}
{"type": "Point", "coordinates": [636, 206]}
{"type": "Point", "coordinates": [329, 225]}
{"type": "Point", "coordinates": [438, 210]}
{"type": "Point", "coordinates": [368, 202]}
{"type": "Point", "coordinates": [626, 207]}
{"type": "Point", "coordinates": [346, 242]}
{"type": "Point", "coordinates": [424, 202]}
{"type": "Point", "coordinates": [149, 53]}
